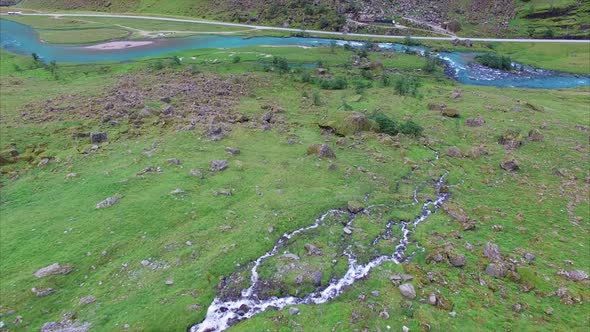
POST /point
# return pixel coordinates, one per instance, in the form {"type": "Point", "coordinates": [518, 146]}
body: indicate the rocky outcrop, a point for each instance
{"type": "Point", "coordinates": [53, 269]}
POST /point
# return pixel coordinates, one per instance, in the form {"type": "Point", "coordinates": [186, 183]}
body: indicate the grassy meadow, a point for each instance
{"type": "Point", "coordinates": [198, 238]}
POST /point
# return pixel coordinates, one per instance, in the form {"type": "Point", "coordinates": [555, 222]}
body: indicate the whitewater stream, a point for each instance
{"type": "Point", "coordinates": [223, 314]}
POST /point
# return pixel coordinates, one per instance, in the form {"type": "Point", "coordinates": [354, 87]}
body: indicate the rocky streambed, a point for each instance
{"type": "Point", "coordinates": [223, 313]}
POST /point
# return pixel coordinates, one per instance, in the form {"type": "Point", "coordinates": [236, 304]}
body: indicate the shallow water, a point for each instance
{"type": "Point", "coordinates": [23, 39]}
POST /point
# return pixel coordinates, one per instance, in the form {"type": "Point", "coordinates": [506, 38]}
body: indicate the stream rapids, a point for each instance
{"type": "Point", "coordinates": [223, 314]}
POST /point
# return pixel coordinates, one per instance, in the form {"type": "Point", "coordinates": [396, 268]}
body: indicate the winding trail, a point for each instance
{"type": "Point", "coordinates": [332, 33]}
{"type": "Point", "coordinates": [223, 314]}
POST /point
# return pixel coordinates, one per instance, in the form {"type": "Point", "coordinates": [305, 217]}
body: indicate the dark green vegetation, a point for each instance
{"type": "Point", "coordinates": [494, 61]}
{"type": "Point", "coordinates": [532, 18]}
{"type": "Point", "coordinates": [382, 124]}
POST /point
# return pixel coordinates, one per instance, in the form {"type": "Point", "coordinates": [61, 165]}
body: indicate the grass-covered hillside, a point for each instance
{"type": "Point", "coordinates": [533, 18]}
{"type": "Point", "coordinates": [155, 183]}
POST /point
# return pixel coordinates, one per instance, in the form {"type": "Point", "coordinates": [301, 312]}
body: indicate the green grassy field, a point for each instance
{"type": "Point", "coordinates": [48, 215]}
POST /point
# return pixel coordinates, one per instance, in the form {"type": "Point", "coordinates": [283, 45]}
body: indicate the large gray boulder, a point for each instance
{"type": "Point", "coordinates": [52, 269]}
{"type": "Point", "coordinates": [496, 270]}
{"type": "Point", "coordinates": [218, 165]}
{"type": "Point", "coordinates": [407, 290]}
{"type": "Point", "coordinates": [492, 251]}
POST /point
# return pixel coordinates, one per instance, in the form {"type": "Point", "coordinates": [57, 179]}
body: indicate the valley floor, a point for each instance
{"type": "Point", "coordinates": [208, 161]}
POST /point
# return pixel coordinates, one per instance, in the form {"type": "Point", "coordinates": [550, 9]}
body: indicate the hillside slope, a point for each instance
{"type": "Point", "coordinates": [532, 18]}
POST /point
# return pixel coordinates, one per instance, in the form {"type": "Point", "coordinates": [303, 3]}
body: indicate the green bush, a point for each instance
{"type": "Point", "coordinates": [236, 59]}
{"type": "Point", "coordinates": [317, 101]}
{"type": "Point", "coordinates": [494, 61]}
{"type": "Point", "coordinates": [281, 64]}
{"type": "Point", "coordinates": [338, 83]}
{"type": "Point", "coordinates": [406, 86]}
{"type": "Point", "coordinates": [411, 128]}
{"type": "Point", "coordinates": [386, 124]}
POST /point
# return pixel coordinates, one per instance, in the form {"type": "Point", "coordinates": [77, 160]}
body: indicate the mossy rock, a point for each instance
{"type": "Point", "coordinates": [450, 112]}
{"type": "Point", "coordinates": [350, 123]}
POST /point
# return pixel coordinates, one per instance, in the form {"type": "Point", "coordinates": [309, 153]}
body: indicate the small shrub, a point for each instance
{"type": "Point", "coordinates": [411, 128]}
{"type": "Point", "coordinates": [494, 61]}
{"type": "Point", "coordinates": [236, 59]}
{"type": "Point", "coordinates": [406, 86]}
{"type": "Point", "coordinates": [158, 65]}
{"type": "Point", "coordinates": [338, 83]}
{"type": "Point", "coordinates": [317, 100]}
{"type": "Point", "coordinates": [430, 65]}
{"type": "Point", "coordinates": [281, 64]}
{"type": "Point", "coordinates": [386, 124]}
{"type": "Point", "coordinates": [386, 80]}
{"type": "Point", "coordinates": [176, 60]}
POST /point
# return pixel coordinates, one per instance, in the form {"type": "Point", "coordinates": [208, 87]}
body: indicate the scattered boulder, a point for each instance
{"type": "Point", "coordinates": [439, 107]}
{"type": "Point", "coordinates": [165, 100]}
{"type": "Point", "coordinates": [169, 282]}
{"type": "Point", "coordinates": [167, 110]}
{"type": "Point", "coordinates": [174, 161]}
{"type": "Point", "coordinates": [218, 165]}
{"type": "Point", "coordinates": [510, 165]}
{"type": "Point", "coordinates": [492, 251]}
{"type": "Point", "coordinates": [268, 117]}
{"type": "Point", "coordinates": [322, 151]}
{"type": "Point", "coordinates": [290, 256]}
{"type": "Point", "coordinates": [454, 152]}
{"type": "Point", "coordinates": [355, 206]}
{"type": "Point", "coordinates": [347, 231]}
{"type": "Point", "coordinates": [456, 94]}
{"type": "Point", "coordinates": [450, 112]}
{"type": "Point", "coordinates": [317, 278]}
{"type": "Point", "coordinates": [497, 228]}
{"type": "Point", "coordinates": [216, 133]}
{"type": "Point", "coordinates": [197, 173]}
{"type": "Point", "coordinates": [535, 135]}
{"type": "Point", "coordinates": [42, 292]}
{"type": "Point", "coordinates": [44, 162]}
{"type": "Point", "coordinates": [67, 324]}
{"type": "Point", "coordinates": [517, 307]}
{"type": "Point", "coordinates": [177, 191]}
{"type": "Point", "coordinates": [87, 300]}
{"type": "Point", "coordinates": [293, 311]}
{"type": "Point", "coordinates": [53, 269]}
{"type": "Point", "coordinates": [576, 275]}
{"type": "Point", "coordinates": [407, 290]}
{"type": "Point", "coordinates": [458, 260]}
{"type": "Point", "coordinates": [529, 256]}
{"type": "Point", "coordinates": [96, 138]}
{"type": "Point", "coordinates": [511, 139]}
{"type": "Point", "coordinates": [496, 270]}
{"type": "Point", "coordinates": [312, 250]}
{"type": "Point", "coordinates": [432, 299]}
{"type": "Point", "coordinates": [232, 151]}
{"type": "Point", "coordinates": [475, 122]}
{"type": "Point", "coordinates": [109, 201]}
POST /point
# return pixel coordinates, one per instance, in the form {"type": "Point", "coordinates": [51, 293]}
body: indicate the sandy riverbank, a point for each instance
{"type": "Point", "coordinates": [119, 45]}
